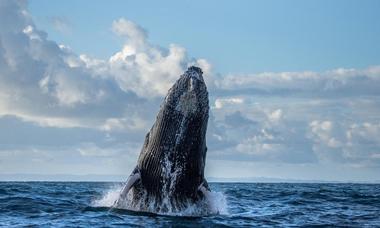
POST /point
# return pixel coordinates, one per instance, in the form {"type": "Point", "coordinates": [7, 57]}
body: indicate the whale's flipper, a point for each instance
{"type": "Point", "coordinates": [204, 189]}
{"type": "Point", "coordinates": [131, 181]}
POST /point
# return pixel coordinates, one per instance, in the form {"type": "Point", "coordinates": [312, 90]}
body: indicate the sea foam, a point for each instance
{"type": "Point", "coordinates": [214, 204]}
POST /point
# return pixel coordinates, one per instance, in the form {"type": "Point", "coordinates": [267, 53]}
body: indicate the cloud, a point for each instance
{"type": "Point", "coordinates": [337, 82]}
{"type": "Point", "coordinates": [356, 144]}
{"type": "Point", "coordinates": [299, 117]}
{"type": "Point", "coordinates": [298, 130]}
{"type": "Point", "coordinates": [221, 102]}
{"type": "Point", "coordinates": [276, 115]}
{"type": "Point", "coordinates": [51, 97]}
{"type": "Point", "coordinates": [140, 65]}
{"type": "Point", "coordinates": [61, 24]}
{"type": "Point", "coordinates": [49, 84]}
{"type": "Point", "coordinates": [136, 35]}
{"type": "Point", "coordinates": [85, 159]}
{"type": "Point", "coordinates": [131, 123]}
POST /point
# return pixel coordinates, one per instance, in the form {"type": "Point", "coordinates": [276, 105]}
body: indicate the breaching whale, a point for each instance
{"type": "Point", "coordinates": [170, 168]}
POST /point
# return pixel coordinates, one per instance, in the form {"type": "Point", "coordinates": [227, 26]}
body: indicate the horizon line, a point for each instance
{"type": "Point", "coordinates": [121, 178]}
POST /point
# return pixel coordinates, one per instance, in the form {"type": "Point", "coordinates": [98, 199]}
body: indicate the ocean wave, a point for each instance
{"type": "Point", "coordinates": [83, 204]}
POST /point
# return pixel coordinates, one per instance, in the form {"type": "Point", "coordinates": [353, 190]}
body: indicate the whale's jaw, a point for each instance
{"type": "Point", "coordinates": [171, 164]}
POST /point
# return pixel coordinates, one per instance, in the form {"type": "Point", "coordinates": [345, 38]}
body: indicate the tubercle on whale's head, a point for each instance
{"type": "Point", "coordinates": [189, 94]}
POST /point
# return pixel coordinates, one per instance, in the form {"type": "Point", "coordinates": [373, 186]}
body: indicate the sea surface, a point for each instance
{"type": "Point", "coordinates": [84, 204]}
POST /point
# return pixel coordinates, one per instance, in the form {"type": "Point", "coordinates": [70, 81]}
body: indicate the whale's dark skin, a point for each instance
{"type": "Point", "coordinates": [172, 160]}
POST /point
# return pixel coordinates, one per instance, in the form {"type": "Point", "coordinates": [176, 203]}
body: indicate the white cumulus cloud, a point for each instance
{"type": "Point", "coordinates": [280, 117]}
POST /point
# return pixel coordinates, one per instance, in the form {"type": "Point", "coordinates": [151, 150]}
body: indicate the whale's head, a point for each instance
{"type": "Point", "coordinates": [173, 156]}
{"type": "Point", "coordinates": [189, 96]}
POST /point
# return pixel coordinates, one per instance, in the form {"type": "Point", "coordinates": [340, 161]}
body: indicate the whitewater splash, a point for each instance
{"type": "Point", "coordinates": [214, 204]}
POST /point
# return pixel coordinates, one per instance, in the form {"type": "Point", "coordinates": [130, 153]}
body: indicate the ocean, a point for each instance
{"type": "Point", "coordinates": [84, 204]}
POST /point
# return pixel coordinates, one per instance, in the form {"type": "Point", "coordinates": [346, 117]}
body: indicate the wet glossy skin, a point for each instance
{"type": "Point", "coordinates": [172, 160]}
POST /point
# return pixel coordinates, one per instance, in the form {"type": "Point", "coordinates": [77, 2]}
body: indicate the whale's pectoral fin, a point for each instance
{"type": "Point", "coordinates": [204, 189]}
{"type": "Point", "coordinates": [131, 181]}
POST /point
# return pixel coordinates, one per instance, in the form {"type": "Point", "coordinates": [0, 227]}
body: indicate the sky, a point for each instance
{"type": "Point", "coordinates": [294, 85]}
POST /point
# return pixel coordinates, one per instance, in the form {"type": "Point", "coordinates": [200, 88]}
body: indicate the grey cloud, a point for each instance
{"type": "Point", "coordinates": [51, 97]}
{"type": "Point", "coordinates": [298, 130]}
{"type": "Point", "coordinates": [236, 119]}
{"type": "Point", "coordinates": [334, 83]}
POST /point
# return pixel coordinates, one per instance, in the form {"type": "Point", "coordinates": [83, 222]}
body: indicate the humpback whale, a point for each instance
{"type": "Point", "coordinates": [170, 169]}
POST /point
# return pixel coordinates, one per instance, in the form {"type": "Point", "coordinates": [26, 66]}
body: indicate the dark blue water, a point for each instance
{"type": "Point", "coordinates": [83, 204]}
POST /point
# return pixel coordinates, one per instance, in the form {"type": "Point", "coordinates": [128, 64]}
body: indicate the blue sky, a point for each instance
{"type": "Point", "coordinates": [294, 85]}
{"type": "Point", "coordinates": [243, 37]}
